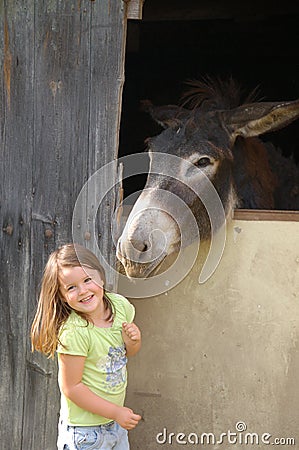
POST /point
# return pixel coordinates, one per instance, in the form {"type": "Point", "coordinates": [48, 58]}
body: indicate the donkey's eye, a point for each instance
{"type": "Point", "coordinates": [203, 162]}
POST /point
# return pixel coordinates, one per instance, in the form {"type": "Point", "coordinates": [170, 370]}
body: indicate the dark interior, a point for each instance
{"type": "Point", "coordinates": [256, 43]}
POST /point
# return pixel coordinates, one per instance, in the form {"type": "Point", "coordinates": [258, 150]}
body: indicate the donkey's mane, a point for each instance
{"type": "Point", "coordinates": [216, 93]}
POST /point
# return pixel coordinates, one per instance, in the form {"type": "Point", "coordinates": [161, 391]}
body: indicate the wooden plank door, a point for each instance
{"type": "Point", "coordinates": [62, 77]}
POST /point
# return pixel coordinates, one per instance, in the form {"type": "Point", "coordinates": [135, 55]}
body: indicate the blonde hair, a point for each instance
{"type": "Point", "coordinates": [52, 311]}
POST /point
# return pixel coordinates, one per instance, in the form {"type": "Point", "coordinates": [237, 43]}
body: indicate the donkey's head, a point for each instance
{"type": "Point", "coordinates": [202, 141]}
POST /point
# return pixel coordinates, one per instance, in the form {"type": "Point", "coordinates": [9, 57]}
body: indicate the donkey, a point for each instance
{"type": "Point", "coordinates": [214, 139]}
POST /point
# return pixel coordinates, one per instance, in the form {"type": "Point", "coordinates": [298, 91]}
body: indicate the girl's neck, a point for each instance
{"type": "Point", "coordinates": [101, 319]}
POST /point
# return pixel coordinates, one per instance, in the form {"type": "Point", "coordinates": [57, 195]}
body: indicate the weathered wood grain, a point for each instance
{"type": "Point", "coordinates": [16, 182]}
{"type": "Point", "coordinates": [59, 168]}
{"type": "Point", "coordinates": [108, 32]}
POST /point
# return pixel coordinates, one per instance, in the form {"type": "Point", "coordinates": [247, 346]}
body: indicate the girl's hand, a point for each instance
{"type": "Point", "coordinates": [132, 331]}
{"type": "Point", "coordinates": [126, 418]}
{"type": "Point", "coordinates": [132, 338]}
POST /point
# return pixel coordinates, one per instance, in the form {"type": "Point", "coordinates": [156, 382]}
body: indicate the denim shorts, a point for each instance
{"type": "Point", "coordinates": [101, 437]}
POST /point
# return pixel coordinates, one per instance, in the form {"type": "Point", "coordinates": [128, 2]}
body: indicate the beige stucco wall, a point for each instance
{"type": "Point", "coordinates": [225, 351]}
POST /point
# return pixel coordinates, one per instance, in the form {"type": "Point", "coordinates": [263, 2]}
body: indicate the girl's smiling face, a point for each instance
{"type": "Point", "coordinates": [82, 288]}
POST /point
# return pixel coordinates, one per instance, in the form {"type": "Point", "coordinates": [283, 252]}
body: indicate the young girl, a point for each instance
{"type": "Point", "coordinates": [93, 333]}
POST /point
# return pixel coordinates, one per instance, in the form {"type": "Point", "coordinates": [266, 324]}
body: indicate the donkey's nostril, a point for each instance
{"type": "Point", "coordinates": [141, 246]}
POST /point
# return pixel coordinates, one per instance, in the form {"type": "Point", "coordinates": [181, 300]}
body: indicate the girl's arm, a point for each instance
{"type": "Point", "coordinates": [132, 338]}
{"type": "Point", "coordinates": [70, 375]}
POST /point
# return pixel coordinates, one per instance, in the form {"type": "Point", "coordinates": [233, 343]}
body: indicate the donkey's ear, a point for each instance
{"type": "Point", "coordinates": [166, 116]}
{"type": "Point", "coordinates": [257, 118]}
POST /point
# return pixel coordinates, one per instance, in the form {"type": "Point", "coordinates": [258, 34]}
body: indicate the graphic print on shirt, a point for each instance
{"type": "Point", "coordinates": [114, 365]}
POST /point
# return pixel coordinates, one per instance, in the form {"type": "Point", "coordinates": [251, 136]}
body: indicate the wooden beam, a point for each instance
{"type": "Point", "coordinates": [264, 215]}
{"type": "Point", "coordinates": [134, 9]}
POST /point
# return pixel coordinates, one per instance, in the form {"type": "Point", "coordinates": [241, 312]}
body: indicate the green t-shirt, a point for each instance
{"type": "Point", "coordinates": [105, 370]}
